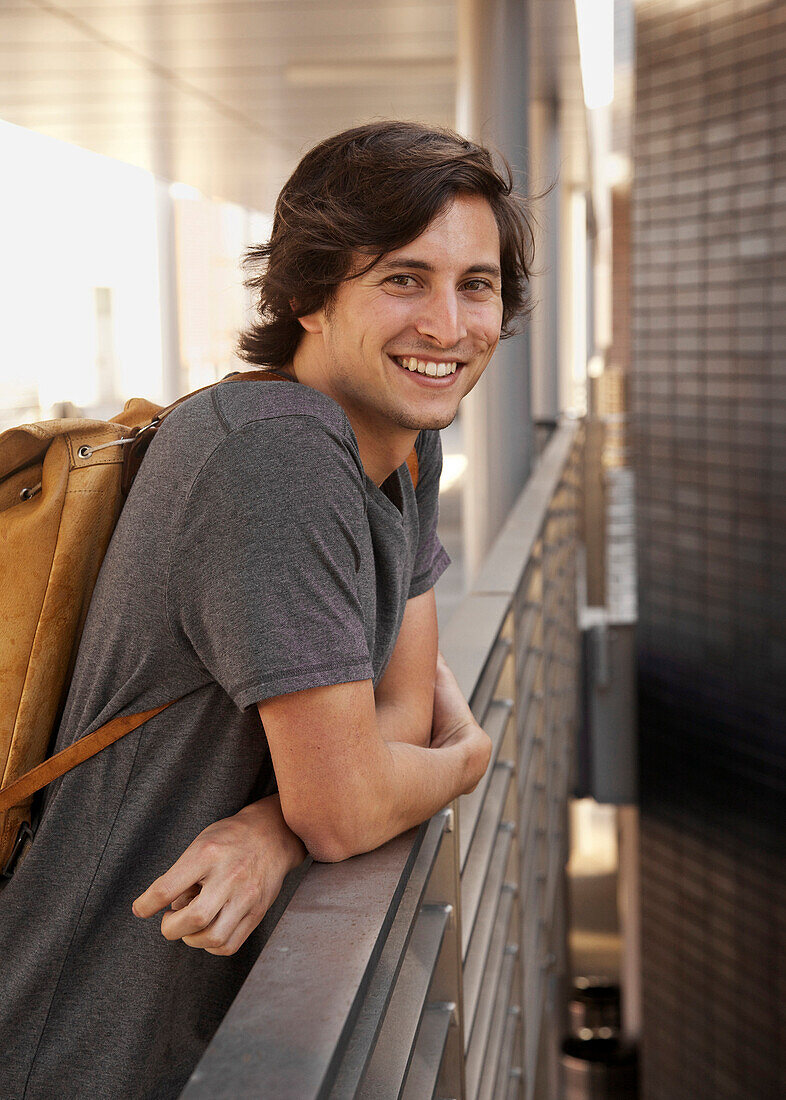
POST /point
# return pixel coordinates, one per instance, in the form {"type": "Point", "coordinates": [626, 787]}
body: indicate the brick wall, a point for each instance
{"type": "Point", "coordinates": [708, 404]}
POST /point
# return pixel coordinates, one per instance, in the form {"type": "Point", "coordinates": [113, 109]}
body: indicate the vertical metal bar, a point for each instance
{"type": "Point", "coordinates": [447, 986]}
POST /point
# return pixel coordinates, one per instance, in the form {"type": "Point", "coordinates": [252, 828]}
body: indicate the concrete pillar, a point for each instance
{"type": "Point", "coordinates": [172, 382]}
{"type": "Point", "coordinates": [496, 417]}
{"type": "Point", "coordinates": [544, 159]}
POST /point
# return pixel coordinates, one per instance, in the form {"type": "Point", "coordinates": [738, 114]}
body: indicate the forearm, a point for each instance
{"type": "Point", "coordinates": [266, 816]}
{"type": "Point", "coordinates": [410, 785]}
{"type": "Point", "coordinates": [420, 782]}
{"type": "Point", "coordinates": [344, 788]}
{"type": "Point", "coordinates": [404, 721]}
{"type": "Point", "coordinates": [404, 697]}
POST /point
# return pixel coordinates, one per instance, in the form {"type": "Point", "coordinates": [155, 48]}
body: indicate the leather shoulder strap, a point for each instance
{"type": "Point", "coordinates": [412, 465]}
{"type": "Point", "coordinates": [77, 753]}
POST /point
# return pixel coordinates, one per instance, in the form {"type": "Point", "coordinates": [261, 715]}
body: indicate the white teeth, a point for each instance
{"type": "Point", "coordinates": [422, 366]}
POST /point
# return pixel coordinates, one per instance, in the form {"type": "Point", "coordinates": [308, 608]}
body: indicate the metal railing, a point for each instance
{"type": "Point", "coordinates": [431, 967]}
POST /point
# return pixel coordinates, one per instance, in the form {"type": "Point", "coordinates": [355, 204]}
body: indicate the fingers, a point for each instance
{"type": "Point", "coordinates": [480, 749]}
{"type": "Point", "coordinates": [219, 889]}
{"type": "Point", "coordinates": [182, 877]}
{"type": "Point", "coordinates": [229, 929]}
{"type": "Point", "coordinates": [196, 915]}
{"type": "Point", "coordinates": [216, 936]}
{"type": "Point", "coordinates": [227, 940]}
{"type": "Point", "coordinates": [240, 935]}
{"type": "Point", "coordinates": [186, 897]}
{"type": "Point", "coordinates": [231, 923]}
{"type": "Point", "coordinates": [451, 710]}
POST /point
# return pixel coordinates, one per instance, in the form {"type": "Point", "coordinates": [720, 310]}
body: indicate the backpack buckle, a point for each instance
{"type": "Point", "coordinates": [24, 836]}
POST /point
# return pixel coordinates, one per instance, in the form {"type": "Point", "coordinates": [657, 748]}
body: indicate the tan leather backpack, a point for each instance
{"type": "Point", "coordinates": [62, 486]}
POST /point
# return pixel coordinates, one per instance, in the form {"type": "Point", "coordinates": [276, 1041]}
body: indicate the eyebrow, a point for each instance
{"type": "Point", "coordinates": [422, 265]}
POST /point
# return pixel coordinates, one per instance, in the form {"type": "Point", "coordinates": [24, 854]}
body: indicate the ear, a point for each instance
{"type": "Point", "coordinates": [313, 322]}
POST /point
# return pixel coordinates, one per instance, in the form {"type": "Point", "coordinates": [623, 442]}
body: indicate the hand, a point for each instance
{"type": "Point", "coordinates": [223, 884]}
{"type": "Point", "coordinates": [454, 724]}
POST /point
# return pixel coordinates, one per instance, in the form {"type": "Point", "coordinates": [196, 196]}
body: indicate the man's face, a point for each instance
{"type": "Point", "coordinates": [433, 305]}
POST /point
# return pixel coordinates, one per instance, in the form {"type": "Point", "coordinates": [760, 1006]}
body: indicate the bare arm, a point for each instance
{"type": "Point", "coordinates": [343, 788]}
{"type": "Point", "coordinates": [222, 885]}
{"type": "Point", "coordinates": [404, 697]}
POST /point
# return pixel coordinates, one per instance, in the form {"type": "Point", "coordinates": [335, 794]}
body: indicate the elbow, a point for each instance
{"type": "Point", "coordinates": [324, 843]}
{"type": "Point", "coordinates": [327, 838]}
{"type": "Point", "coordinates": [329, 850]}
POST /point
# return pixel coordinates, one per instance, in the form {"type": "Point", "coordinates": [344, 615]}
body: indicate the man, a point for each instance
{"type": "Point", "coordinates": [273, 561]}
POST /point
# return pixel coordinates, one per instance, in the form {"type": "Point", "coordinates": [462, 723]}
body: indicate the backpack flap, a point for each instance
{"type": "Point", "coordinates": [137, 412]}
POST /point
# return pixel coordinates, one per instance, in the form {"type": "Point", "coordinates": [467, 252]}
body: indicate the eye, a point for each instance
{"type": "Point", "coordinates": [405, 281]}
{"type": "Point", "coordinates": [475, 285]}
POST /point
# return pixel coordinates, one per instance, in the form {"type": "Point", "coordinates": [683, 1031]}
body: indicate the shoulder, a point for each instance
{"type": "Point", "coordinates": [241, 403]}
{"type": "Point", "coordinates": [280, 443]}
{"type": "Point", "coordinates": [229, 407]}
{"type": "Point", "coordinates": [282, 426]}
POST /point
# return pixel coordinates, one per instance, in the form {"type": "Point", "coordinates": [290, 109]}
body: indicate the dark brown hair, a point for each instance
{"type": "Point", "coordinates": [371, 190]}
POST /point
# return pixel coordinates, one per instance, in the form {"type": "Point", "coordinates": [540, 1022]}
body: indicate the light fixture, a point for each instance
{"type": "Point", "coordinates": [595, 19]}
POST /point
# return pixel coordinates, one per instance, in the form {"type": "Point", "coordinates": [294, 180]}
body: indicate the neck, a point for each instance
{"type": "Point", "coordinates": [380, 453]}
{"type": "Point", "coordinates": [383, 446]}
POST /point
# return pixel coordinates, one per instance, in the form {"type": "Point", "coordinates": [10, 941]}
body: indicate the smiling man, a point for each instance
{"type": "Point", "coordinates": [401, 343]}
{"type": "Point", "coordinates": [275, 560]}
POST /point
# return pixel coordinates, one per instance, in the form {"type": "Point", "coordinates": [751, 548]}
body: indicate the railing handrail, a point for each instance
{"type": "Point", "coordinates": [288, 1029]}
{"type": "Point", "coordinates": [468, 638]}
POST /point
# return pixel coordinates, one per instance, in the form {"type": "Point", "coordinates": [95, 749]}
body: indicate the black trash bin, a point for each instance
{"type": "Point", "coordinates": [597, 1064]}
{"type": "Point", "coordinates": [594, 1005]}
{"type": "Point", "coordinates": [599, 1069]}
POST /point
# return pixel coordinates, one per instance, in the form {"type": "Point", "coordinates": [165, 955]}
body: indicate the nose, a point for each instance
{"type": "Point", "coordinates": [442, 318]}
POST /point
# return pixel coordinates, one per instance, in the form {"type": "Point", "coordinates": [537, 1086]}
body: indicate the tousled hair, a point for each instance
{"type": "Point", "coordinates": [369, 191]}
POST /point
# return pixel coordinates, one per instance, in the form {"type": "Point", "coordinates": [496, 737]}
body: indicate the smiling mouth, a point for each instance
{"type": "Point", "coordinates": [427, 366]}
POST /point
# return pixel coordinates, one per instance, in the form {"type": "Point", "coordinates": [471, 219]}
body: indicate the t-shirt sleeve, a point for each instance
{"type": "Point", "coordinates": [263, 572]}
{"type": "Point", "coordinates": [431, 559]}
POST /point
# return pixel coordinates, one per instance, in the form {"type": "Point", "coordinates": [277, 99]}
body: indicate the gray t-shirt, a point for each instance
{"type": "Point", "coordinates": [253, 557]}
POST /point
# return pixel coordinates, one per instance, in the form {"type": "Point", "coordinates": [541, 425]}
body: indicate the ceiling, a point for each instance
{"type": "Point", "coordinates": [225, 95]}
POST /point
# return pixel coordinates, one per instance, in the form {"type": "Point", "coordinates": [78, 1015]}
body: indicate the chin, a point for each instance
{"type": "Point", "coordinates": [424, 421]}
